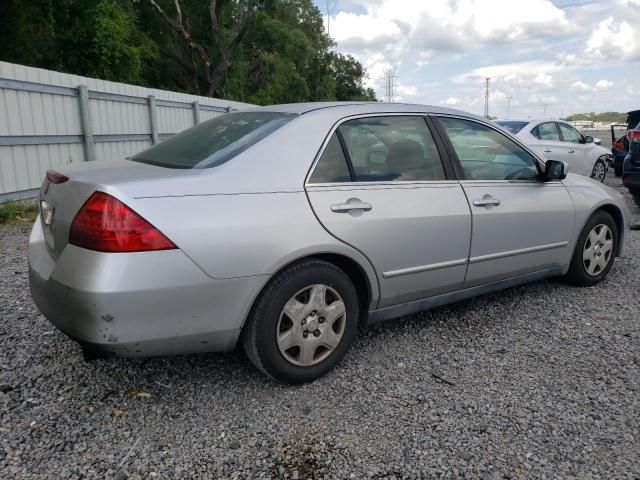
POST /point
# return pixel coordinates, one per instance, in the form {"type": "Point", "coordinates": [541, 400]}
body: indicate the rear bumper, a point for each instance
{"type": "Point", "coordinates": [142, 304]}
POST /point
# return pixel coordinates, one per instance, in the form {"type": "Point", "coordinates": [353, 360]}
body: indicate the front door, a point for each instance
{"type": "Point", "coordinates": [576, 152]}
{"type": "Point", "coordinates": [380, 185]}
{"type": "Point", "coordinates": [521, 224]}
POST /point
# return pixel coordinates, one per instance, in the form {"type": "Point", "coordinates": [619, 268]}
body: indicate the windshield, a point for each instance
{"type": "Point", "coordinates": [512, 126]}
{"type": "Point", "coordinates": [215, 141]}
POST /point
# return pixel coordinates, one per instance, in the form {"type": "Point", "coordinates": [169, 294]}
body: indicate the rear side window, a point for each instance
{"type": "Point", "coordinates": [332, 166]}
{"type": "Point", "coordinates": [392, 149]}
{"type": "Point", "coordinates": [215, 141]}
{"type": "Point", "coordinates": [486, 154]}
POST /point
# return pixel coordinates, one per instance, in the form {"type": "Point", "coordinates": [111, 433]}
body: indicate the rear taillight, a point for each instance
{"type": "Point", "coordinates": [105, 224]}
{"type": "Point", "coordinates": [56, 177]}
{"type": "Point", "coordinates": [634, 135]}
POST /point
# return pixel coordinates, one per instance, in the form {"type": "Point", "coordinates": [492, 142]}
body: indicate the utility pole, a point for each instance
{"type": "Point", "coordinates": [331, 7]}
{"type": "Point", "coordinates": [390, 78]}
{"type": "Point", "coordinates": [509, 106]}
{"type": "Point", "coordinates": [486, 98]}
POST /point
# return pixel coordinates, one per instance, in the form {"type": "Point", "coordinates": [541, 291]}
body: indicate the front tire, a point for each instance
{"type": "Point", "coordinates": [595, 251]}
{"type": "Point", "coordinates": [599, 172]}
{"type": "Point", "coordinates": [303, 322]}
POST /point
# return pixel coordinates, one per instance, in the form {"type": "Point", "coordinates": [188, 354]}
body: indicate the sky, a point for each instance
{"type": "Point", "coordinates": [552, 57]}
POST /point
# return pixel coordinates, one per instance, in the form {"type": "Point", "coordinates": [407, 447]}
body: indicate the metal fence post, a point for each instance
{"type": "Point", "coordinates": [87, 125]}
{"type": "Point", "coordinates": [153, 119]}
{"type": "Point", "coordinates": [196, 112]}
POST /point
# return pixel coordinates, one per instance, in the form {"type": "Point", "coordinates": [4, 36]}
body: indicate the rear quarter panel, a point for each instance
{"type": "Point", "coordinates": [240, 235]}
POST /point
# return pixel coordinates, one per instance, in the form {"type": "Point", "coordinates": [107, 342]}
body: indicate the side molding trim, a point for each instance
{"type": "Point", "coordinates": [521, 251]}
{"type": "Point", "coordinates": [424, 268]}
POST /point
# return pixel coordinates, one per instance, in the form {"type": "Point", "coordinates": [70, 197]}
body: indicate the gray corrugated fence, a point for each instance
{"type": "Point", "coordinates": [50, 119]}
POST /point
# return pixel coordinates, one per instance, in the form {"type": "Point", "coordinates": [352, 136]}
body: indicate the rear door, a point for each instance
{"type": "Point", "coordinates": [381, 185]}
{"type": "Point", "coordinates": [521, 224]}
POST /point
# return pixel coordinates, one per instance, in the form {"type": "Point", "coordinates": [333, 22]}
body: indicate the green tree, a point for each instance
{"type": "Point", "coordinates": [606, 117]}
{"type": "Point", "coordinates": [95, 38]}
{"type": "Point", "coordinates": [258, 51]}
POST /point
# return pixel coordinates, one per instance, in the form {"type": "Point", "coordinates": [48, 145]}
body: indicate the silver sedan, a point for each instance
{"type": "Point", "coordinates": [290, 228]}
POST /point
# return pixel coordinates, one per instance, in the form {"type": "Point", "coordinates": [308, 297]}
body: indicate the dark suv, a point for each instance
{"type": "Point", "coordinates": [631, 165]}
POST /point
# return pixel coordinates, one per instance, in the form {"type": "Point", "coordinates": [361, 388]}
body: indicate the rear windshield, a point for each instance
{"type": "Point", "coordinates": [512, 126]}
{"type": "Point", "coordinates": [215, 141]}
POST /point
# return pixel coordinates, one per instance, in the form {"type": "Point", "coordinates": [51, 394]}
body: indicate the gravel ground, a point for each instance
{"type": "Point", "coordinates": [540, 381]}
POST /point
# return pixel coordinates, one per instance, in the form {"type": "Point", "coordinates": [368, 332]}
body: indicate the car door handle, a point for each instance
{"type": "Point", "coordinates": [350, 206]}
{"type": "Point", "coordinates": [572, 151]}
{"type": "Point", "coordinates": [547, 151]}
{"type": "Point", "coordinates": [486, 201]}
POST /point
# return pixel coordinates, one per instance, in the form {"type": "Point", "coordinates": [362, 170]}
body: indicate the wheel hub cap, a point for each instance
{"type": "Point", "coordinates": [598, 250]}
{"type": "Point", "coordinates": [311, 325]}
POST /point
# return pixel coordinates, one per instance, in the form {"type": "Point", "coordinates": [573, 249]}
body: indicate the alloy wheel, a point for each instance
{"type": "Point", "coordinates": [599, 171]}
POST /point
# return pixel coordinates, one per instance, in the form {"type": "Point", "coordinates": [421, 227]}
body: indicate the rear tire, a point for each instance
{"type": "Point", "coordinates": [303, 322]}
{"type": "Point", "coordinates": [599, 171]}
{"type": "Point", "coordinates": [595, 251]}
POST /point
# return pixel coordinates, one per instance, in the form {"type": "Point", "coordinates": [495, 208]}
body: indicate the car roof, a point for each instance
{"type": "Point", "coordinates": [347, 108]}
{"type": "Point", "coordinates": [530, 120]}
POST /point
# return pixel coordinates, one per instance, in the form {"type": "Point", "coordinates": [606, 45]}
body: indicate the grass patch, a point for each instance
{"type": "Point", "coordinates": [18, 211]}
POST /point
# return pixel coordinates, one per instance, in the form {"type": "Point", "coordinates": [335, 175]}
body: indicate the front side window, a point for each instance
{"type": "Point", "coordinates": [486, 154]}
{"type": "Point", "coordinates": [570, 134]}
{"type": "Point", "coordinates": [547, 131]}
{"type": "Point", "coordinates": [393, 148]}
{"type": "Point", "coordinates": [215, 141]}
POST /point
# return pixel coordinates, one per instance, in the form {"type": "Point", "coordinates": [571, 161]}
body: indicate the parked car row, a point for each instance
{"type": "Point", "coordinates": [557, 140]}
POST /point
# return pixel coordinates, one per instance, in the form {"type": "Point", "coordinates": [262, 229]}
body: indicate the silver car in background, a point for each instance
{"type": "Point", "coordinates": [290, 228]}
{"type": "Point", "coordinates": [559, 140]}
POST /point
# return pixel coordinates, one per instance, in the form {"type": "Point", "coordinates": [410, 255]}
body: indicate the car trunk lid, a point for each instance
{"type": "Point", "coordinates": [63, 199]}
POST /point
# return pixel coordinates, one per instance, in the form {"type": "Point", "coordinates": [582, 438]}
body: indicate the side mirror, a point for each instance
{"type": "Point", "coordinates": [597, 141]}
{"type": "Point", "coordinates": [555, 170]}
{"type": "Point", "coordinates": [588, 139]}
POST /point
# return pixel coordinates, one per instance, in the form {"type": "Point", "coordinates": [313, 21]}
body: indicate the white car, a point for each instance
{"type": "Point", "coordinates": [557, 140]}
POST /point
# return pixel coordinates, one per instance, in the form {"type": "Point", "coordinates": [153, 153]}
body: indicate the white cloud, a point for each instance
{"type": "Point", "coordinates": [580, 86]}
{"type": "Point", "coordinates": [542, 99]}
{"type": "Point", "coordinates": [408, 30]}
{"type": "Point", "coordinates": [603, 85]}
{"type": "Point", "coordinates": [534, 52]}
{"type": "Point", "coordinates": [544, 80]}
{"type": "Point", "coordinates": [615, 41]}
{"type": "Point", "coordinates": [451, 101]}
{"type": "Point", "coordinates": [511, 72]}
{"type": "Point", "coordinates": [407, 90]}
